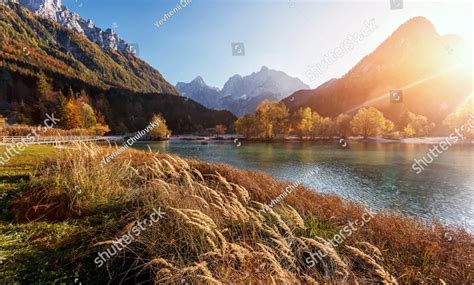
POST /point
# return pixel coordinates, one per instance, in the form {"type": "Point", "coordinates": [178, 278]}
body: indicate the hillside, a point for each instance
{"type": "Point", "coordinates": [414, 59]}
{"type": "Point", "coordinates": [31, 44]}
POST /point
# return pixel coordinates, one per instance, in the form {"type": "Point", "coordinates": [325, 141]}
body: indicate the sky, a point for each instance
{"type": "Point", "coordinates": [286, 35]}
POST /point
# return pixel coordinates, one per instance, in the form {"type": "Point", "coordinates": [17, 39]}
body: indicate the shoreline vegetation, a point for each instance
{"type": "Point", "coordinates": [62, 207]}
{"type": "Point", "coordinates": [274, 121]}
{"type": "Point", "coordinates": [412, 140]}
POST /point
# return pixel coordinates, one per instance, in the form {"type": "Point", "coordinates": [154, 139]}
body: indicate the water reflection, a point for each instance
{"type": "Point", "coordinates": [377, 174]}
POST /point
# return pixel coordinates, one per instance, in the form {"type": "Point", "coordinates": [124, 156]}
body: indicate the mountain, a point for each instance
{"type": "Point", "coordinates": [429, 69]}
{"type": "Point", "coordinates": [54, 10]}
{"type": "Point", "coordinates": [33, 40]}
{"type": "Point", "coordinates": [35, 44]}
{"type": "Point", "coordinates": [241, 95]}
{"type": "Point", "coordinates": [200, 92]}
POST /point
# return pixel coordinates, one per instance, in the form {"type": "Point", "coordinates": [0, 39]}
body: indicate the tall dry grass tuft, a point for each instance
{"type": "Point", "coordinates": [381, 272]}
{"type": "Point", "coordinates": [214, 231]}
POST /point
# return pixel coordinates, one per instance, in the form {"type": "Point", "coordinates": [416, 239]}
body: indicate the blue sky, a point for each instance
{"type": "Point", "coordinates": [287, 35]}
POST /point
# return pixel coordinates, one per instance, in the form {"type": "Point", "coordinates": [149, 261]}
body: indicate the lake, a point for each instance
{"type": "Point", "coordinates": [378, 174]}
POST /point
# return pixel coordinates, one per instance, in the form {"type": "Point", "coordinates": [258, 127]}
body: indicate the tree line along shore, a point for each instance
{"type": "Point", "coordinates": [272, 120]}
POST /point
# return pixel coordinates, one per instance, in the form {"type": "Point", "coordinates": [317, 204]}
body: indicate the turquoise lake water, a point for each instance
{"type": "Point", "coordinates": [377, 174]}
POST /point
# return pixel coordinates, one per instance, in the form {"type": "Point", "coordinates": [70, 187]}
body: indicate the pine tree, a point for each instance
{"type": "Point", "coordinates": [43, 88]}
{"type": "Point", "coordinates": [70, 93]}
{"type": "Point", "coordinates": [88, 116]}
{"type": "Point", "coordinates": [43, 92]}
{"type": "Point", "coordinates": [61, 109]}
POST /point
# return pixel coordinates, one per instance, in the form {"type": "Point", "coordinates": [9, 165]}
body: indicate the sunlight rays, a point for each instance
{"type": "Point", "coordinates": [408, 86]}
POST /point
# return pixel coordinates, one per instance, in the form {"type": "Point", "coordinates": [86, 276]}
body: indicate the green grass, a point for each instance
{"type": "Point", "coordinates": [320, 228]}
{"type": "Point", "coordinates": [17, 171]}
{"type": "Point", "coordinates": [28, 249]}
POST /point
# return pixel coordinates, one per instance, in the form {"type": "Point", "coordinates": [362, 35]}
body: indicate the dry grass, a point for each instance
{"type": "Point", "coordinates": [215, 233]}
{"type": "Point", "coordinates": [25, 130]}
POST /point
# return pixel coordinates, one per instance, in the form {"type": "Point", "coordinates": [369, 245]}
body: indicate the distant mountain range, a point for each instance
{"type": "Point", "coordinates": [200, 92]}
{"type": "Point", "coordinates": [42, 36]}
{"type": "Point", "coordinates": [432, 72]}
{"type": "Point", "coordinates": [241, 95]}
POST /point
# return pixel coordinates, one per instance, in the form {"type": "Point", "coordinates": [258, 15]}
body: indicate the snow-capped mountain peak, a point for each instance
{"type": "Point", "coordinates": [55, 11]}
{"type": "Point", "coordinates": [242, 94]}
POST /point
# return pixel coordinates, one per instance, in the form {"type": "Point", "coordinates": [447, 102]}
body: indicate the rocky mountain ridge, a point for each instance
{"type": "Point", "coordinates": [242, 94]}
{"type": "Point", "coordinates": [54, 10]}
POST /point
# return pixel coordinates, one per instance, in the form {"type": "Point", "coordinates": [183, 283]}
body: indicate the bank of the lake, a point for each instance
{"type": "Point", "coordinates": [56, 222]}
{"type": "Point", "coordinates": [379, 174]}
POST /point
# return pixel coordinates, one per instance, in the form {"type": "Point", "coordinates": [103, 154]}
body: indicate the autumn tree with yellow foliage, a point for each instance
{"type": "Point", "coordinates": [160, 131]}
{"type": "Point", "coordinates": [248, 126]}
{"type": "Point", "coordinates": [370, 122]}
{"type": "Point", "coordinates": [305, 124]}
{"type": "Point", "coordinates": [415, 125]}
{"type": "Point", "coordinates": [343, 125]}
{"type": "Point", "coordinates": [461, 117]}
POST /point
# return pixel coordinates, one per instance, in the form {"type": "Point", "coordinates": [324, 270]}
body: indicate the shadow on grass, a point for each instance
{"type": "Point", "coordinates": [14, 178]}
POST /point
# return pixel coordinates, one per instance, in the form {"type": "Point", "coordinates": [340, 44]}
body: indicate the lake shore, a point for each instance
{"type": "Point", "coordinates": [213, 211]}
{"type": "Point", "coordinates": [232, 137]}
